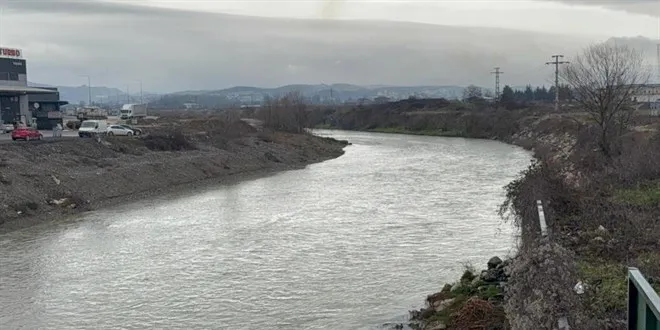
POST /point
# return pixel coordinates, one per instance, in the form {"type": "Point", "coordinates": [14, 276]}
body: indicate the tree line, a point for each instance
{"type": "Point", "coordinates": [517, 98]}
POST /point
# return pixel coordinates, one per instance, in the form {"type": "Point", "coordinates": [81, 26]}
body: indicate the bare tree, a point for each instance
{"type": "Point", "coordinates": [472, 92]}
{"type": "Point", "coordinates": [287, 113]}
{"type": "Point", "coordinates": [603, 80]}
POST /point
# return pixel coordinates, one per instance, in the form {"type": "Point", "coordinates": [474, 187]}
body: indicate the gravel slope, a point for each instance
{"type": "Point", "coordinates": [44, 180]}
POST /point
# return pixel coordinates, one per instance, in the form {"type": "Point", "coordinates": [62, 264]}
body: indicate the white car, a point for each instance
{"type": "Point", "coordinates": [119, 130]}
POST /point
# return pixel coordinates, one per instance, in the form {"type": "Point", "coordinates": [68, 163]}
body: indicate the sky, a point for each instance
{"type": "Point", "coordinates": [185, 45]}
{"type": "Point", "coordinates": [593, 17]}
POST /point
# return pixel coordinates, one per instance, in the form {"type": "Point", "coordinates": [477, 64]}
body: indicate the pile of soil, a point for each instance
{"type": "Point", "coordinates": [46, 179]}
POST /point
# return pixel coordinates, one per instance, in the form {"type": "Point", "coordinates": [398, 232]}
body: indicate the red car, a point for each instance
{"type": "Point", "coordinates": [26, 133]}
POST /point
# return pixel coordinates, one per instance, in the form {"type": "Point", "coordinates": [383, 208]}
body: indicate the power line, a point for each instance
{"type": "Point", "coordinates": [557, 62]}
{"type": "Point", "coordinates": [497, 74]}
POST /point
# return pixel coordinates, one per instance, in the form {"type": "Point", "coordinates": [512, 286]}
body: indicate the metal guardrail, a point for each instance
{"type": "Point", "coordinates": [643, 303]}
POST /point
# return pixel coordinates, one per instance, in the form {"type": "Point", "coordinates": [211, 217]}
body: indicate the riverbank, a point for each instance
{"type": "Point", "coordinates": [602, 215]}
{"type": "Point", "coordinates": [45, 180]}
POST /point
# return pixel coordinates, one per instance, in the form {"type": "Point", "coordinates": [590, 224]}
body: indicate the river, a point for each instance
{"type": "Point", "coordinates": [351, 243]}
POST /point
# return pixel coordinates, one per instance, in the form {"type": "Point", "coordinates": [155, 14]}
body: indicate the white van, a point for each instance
{"type": "Point", "coordinates": [91, 128]}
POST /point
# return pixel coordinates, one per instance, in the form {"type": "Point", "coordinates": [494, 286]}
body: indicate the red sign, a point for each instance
{"type": "Point", "coordinates": [10, 52]}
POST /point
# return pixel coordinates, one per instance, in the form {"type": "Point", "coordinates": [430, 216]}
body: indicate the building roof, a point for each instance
{"type": "Point", "coordinates": [25, 90]}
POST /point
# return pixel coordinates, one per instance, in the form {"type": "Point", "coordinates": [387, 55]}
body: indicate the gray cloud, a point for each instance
{"type": "Point", "coordinates": [179, 50]}
{"type": "Point", "coordinates": [647, 7]}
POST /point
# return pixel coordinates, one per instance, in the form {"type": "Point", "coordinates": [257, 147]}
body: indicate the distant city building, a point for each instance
{"type": "Point", "coordinates": [648, 97]}
{"type": "Point", "coordinates": [191, 106]}
{"type": "Point", "coordinates": [647, 93]}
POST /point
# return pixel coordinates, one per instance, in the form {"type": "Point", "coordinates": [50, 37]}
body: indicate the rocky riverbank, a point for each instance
{"type": "Point", "coordinates": [476, 300]}
{"type": "Point", "coordinates": [43, 180]}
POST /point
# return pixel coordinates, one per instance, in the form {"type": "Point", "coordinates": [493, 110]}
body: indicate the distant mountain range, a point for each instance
{"type": "Point", "coordinates": [323, 92]}
{"type": "Point", "coordinates": [100, 94]}
{"type": "Point", "coordinates": [243, 95]}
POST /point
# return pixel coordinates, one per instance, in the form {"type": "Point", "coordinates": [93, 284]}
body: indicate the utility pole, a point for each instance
{"type": "Point", "coordinates": [497, 74]}
{"type": "Point", "coordinates": [556, 63]}
{"type": "Point", "coordinates": [658, 64]}
{"type": "Point", "coordinates": [128, 95]}
{"type": "Point", "coordinates": [2, 9]}
{"type": "Point", "coordinates": [141, 98]}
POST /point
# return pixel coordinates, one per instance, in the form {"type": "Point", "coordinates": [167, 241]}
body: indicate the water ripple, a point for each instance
{"type": "Point", "coordinates": [351, 243]}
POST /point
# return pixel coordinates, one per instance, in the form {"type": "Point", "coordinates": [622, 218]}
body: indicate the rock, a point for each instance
{"type": "Point", "coordinates": [272, 157]}
{"type": "Point", "coordinates": [446, 288]}
{"type": "Point", "coordinates": [58, 202]}
{"type": "Point", "coordinates": [602, 230]}
{"type": "Point", "coordinates": [426, 313]}
{"type": "Point", "coordinates": [435, 299]}
{"type": "Point", "coordinates": [455, 287]}
{"type": "Point", "coordinates": [494, 262]}
{"type": "Point", "coordinates": [56, 180]}
{"type": "Point", "coordinates": [493, 275]}
{"type": "Point", "coordinates": [475, 281]}
{"type": "Point", "coordinates": [444, 304]}
{"type": "Point", "coordinates": [598, 239]}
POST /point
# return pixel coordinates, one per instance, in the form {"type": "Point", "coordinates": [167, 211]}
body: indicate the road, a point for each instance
{"type": "Point", "coordinates": [48, 134]}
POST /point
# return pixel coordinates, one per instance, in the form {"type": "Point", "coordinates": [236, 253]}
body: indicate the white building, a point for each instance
{"type": "Point", "coordinates": [648, 94]}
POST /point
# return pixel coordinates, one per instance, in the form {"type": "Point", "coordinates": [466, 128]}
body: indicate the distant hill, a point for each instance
{"type": "Point", "coordinates": [318, 94]}
{"type": "Point", "coordinates": [100, 94]}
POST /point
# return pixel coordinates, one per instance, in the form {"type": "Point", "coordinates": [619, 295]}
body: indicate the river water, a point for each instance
{"type": "Point", "coordinates": [351, 243]}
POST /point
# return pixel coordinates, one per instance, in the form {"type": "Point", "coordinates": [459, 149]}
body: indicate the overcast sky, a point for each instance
{"type": "Point", "coordinates": [595, 17]}
{"type": "Point", "coordinates": [177, 45]}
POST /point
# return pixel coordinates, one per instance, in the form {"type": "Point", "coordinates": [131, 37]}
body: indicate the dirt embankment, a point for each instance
{"type": "Point", "coordinates": [46, 179]}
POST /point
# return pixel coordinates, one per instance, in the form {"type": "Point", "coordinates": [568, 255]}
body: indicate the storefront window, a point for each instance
{"type": "Point", "coordinates": [13, 76]}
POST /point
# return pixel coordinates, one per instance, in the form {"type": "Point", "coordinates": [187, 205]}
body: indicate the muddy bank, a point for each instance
{"type": "Point", "coordinates": [43, 180]}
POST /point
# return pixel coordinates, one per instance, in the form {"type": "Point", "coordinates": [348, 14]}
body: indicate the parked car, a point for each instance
{"type": "Point", "coordinates": [136, 131]}
{"type": "Point", "coordinates": [119, 130]}
{"type": "Point", "coordinates": [6, 128]}
{"type": "Point", "coordinates": [26, 133]}
{"type": "Point", "coordinates": [91, 128]}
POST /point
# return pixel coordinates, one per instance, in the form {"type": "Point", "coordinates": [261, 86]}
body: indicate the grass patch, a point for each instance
{"type": "Point", "coordinates": [649, 264]}
{"type": "Point", "coordinates": [428, 132]}
{"type": "Point", "coordinates": [607, 285]}
{"type": "Point", "coordinates": [643, 195]}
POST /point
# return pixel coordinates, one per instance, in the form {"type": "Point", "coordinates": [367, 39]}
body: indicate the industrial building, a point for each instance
{"type": "Point", "coordinates": [45, 108]}
{"type": "Point", "coordinates": [17, 99]}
